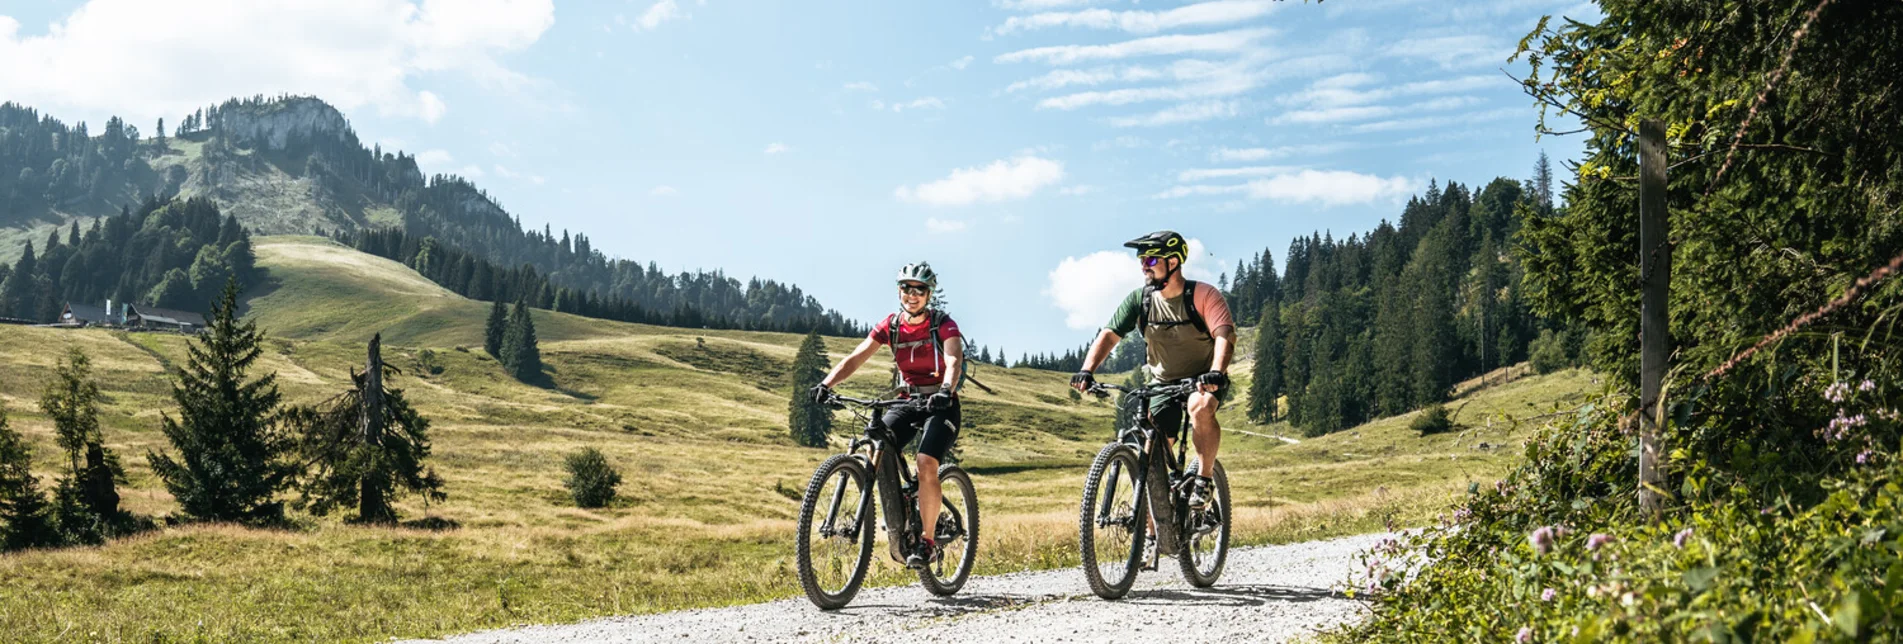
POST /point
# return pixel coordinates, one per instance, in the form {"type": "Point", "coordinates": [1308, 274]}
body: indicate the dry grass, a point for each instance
{"type": "Point", "coordinates": [699, 434]}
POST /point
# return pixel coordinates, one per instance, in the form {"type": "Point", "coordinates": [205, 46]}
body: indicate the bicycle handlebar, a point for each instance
{"type": "Point", "coordinates": [1174, 388]}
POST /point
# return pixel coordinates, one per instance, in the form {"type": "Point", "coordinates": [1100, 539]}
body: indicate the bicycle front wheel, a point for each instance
{"type": "Point", "coordinates": [1111, 522]}
{"type": "Point", "coordinates": [1205, 534]}
{"type": "Point", "coordinates": [956, 534]}
{"type": "Point", "coordinates": [835, 532]}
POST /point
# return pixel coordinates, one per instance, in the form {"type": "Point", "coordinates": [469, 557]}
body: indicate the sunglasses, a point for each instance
{"type": "Point", "coordinates": [920, 291]}
{"type": "Point", "coordinates": [1151, 261]}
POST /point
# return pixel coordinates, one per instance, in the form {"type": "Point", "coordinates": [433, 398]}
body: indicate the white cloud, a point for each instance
{"type": "Point", "coordinates": [505, 172]}
{"type": "Point", "coordinates": [776, 148]}
{"type": "Point", "coordinates": [1452, 51]}
{"type": "Point", "coordinates": [125, 57]}
{"type": "Point", "coordinates": [1242, 154]}
{"type": "Point", "coordinates": [928, 102]}
{"type": "Point", "coordinates": [1039, 5]}
{"type": "Point", "coordinates": [1330, 188]}
{"type": "Point", "coordinates": [433, 157]}
{"type": "Point", "coordinates": [1438, 121]}
{"type": "Point", "coordinates": [1001, 180]}
{"type": "Point", "coordinates": [1089, 288]}
{"type": "Point", "coordinates": [536, 179]}
{"type": "Point", "coordinates": [1204, 174]}
{"type": "Point", "coordinates": [1220, 42]}
{"type": "Point", "coordinates": [861, 86]}
{"type": "Point", "coordinates": [470, 172]}
{"type": "Point", "coordinates": [502, 150]}
{"type": "Point", "coordinates": [1333, 114]}
{"type": "Point", "coordinates": [1061, 78]}
{"type": "Point", "coordinates": [663, 191]}
{"type": "Point", "coordinates": [658, 13]}
{"type": "Point", "coordinates": [1184, 113]}
{"type": "Point", "coordinates": [1264, 154]}
{"type": "Point", "coordinates": [1198, 79]}
{"type": "Point", "coordinates": [1202, 14]}
{"type": "Point", "coordinates": [1076, 191]}
{"type": "Point", "coordinates": [942, 226]}
{"type": "Point", "coordinates": [961, 63]}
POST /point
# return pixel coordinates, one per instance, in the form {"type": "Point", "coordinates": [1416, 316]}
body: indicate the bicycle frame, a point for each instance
{"type": "Point", "coordinates": [1155, 472]}
{"type": "Point", "coordinates": [894, 481]}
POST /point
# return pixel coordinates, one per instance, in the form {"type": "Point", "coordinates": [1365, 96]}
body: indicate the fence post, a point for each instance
{"type": "Point", "coordinates": [1655, 276]}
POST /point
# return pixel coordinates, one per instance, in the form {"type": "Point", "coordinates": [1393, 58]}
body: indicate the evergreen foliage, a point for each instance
{"type": "Point", "coordinates": [71, 401]}
{"type": "Point", "coordinates": [347, 464]}
{"type": "Point", "coordinates": [809, 422]}
{"type": "Point", "coordinates": [521, 355]}
{"type": "Point", "coordinates": [1265, 385]}
{"type": "Point", "coordinates": [591, 479]}
{"type": "Point", "coordinates": [232, 454]}
{"type": "Point", "coordinates": [26, 521]}
{"type": "Point", "coordinates": [174, 254]}
{"type": "Point", "coordinates": [495, 329]}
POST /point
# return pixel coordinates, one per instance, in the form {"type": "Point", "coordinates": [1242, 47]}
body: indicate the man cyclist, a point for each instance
{"type": "Point", "coordinates": [1188, 332]}
{"type": "Point", "coordinates": [930, 353]}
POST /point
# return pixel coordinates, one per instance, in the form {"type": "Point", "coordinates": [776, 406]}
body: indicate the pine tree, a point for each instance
{"type": "Point", "coordinates": [232, 453]}
{"type": "Point", "coordinates": [1266, 384]}
{"type": "Point", "coordinates": [17, 293]}
{"type": "Point", "coordinates": [25, 518]}
{"type": "Point", "coordinates": [71, 401]}
{"type": "Point", "coordinates": [363, 445]}
{"type": "Point", "coordinates": [495, 329]}
{"type": "Point", "coordinates": [810, 422]}
{"type": "Point", "coordinates": [521, 356]}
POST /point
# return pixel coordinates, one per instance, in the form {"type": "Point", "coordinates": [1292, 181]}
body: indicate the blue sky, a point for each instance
{"type": "Point", "coordinates": [1015, 144]}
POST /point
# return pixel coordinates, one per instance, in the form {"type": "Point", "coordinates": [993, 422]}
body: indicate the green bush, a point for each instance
{"type": "Point", "coordinates": [1548, 352]}
{"type": "Point", "coordinates": [591, 480]}
{"type": "Point", "coordinates": [1433, 420]}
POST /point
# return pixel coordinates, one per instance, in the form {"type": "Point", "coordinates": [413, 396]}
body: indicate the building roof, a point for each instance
{"type": "Point", "coordinates": [167, 316]}
{"type": "Point", "coordinates": [85, 313]}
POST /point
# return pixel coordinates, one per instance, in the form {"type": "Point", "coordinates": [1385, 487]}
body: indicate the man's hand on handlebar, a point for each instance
{"type": "Point", "coordinates": [1083, 381]}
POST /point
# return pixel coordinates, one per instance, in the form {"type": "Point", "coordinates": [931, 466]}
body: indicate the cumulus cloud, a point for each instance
{"type": "Point", "coordinates": [1202, 14]}
{"type": "Point", "coordinates": [124, 56]}
{"type": "Point", "coordinates": [1331, 188]}
{"type": "Point", "coordinates": [1089, 288]}
{"type": "Point", "coordinates": [1000, 180]}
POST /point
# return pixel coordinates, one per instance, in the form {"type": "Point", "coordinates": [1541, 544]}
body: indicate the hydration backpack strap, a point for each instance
{"type": "Point", "coordinates": [1189, 306]}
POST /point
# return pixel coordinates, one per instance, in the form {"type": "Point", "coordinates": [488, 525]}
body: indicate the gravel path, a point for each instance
{"type": "Point", "coordinates": [1268, 593]}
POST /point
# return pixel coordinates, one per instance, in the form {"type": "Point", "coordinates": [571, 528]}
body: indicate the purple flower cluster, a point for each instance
{"type": "Point", "coordinates": [1841, 426]}
{"type": "Point", "coordinates": [1680, 538]}
{"type": "Point", "coordinates": [1547, 595]}
{"type": "Point", "coordinates": [1597, 539]}
{"type": "Point", "coordinates": [1837, 392]}
{"type": "Point", "coordinates": [1542, 539]}
{"type": "Point", "coordinates": [1525, 636]}
{"type": "Point", "coordinates": [1867, 385]}
{"type": "Point", "coordinates": [1863, 457]}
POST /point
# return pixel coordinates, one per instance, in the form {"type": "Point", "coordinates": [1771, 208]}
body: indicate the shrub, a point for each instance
{"type": "Point", "coordinates": [1548, 352]}
{"type": "Point", "coordinates": [1432, 420]}
{"type": "Point", "coordinates": [591, 480]}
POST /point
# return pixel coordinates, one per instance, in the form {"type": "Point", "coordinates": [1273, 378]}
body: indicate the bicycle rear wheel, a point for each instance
{"type": "Point", "coordinates": [1111, 522]}
{"type": "Point", "coordinates": [835, 532]}
{"type": "Point", "coordinates": [956, 534]}
{"type": "Point", "coordinates": [1205, 534]}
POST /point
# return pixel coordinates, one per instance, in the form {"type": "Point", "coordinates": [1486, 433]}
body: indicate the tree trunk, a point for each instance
{"type": "Point", "coordinates": [371, 506]}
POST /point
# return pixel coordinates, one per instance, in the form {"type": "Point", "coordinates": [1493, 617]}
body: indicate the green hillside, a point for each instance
{"type": "Point", "coordinates": [695, 420]}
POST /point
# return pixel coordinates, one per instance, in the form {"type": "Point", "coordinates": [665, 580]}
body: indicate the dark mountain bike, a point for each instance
{"type": "Point", "coordinates": [1137, 490]}
{"type": "Point", "coordinates": [837, 521]}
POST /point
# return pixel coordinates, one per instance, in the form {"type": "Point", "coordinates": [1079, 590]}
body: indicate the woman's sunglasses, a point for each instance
{"type": "Point", "coordinates": [920, 291]}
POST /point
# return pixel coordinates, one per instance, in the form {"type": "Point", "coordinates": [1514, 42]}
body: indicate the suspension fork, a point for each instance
{"type": "Point", "coordinates": [1110, 497]}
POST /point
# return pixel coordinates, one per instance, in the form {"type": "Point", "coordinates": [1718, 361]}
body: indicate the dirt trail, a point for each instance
{"type": "Point", "coordinates": [1268, 593]}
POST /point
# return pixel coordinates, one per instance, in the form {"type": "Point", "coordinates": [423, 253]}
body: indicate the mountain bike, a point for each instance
{"type": "Point", "coordinates": [837, 521]}
{"type": "Point", "coordinates": [1137, 491]}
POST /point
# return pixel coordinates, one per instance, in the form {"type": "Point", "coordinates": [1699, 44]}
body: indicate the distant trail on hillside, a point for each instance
{"type": "Point", "coordinates": [1267, 594]}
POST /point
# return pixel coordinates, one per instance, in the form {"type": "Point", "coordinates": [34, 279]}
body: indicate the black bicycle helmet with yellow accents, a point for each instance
{"type": "Point", "coordinates": [1162, 243]}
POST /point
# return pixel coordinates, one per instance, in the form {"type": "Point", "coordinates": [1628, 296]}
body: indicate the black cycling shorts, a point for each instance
{"type": "Point", "coordinates": [1168, 414]}
{"type": "Point", "coordinates": [940, 427]}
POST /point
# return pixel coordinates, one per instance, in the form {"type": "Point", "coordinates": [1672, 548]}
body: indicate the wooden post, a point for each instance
{"type": "Point", "coordinates": [371, 507]}
{"type": "Point", "coordinates": [1655, 276]}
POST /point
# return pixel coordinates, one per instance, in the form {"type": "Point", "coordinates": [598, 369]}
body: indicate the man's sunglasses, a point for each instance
{"type": "Point", "coordinates": [920, 291]}
{"type": "Point", "coordinates": [1151, 261]}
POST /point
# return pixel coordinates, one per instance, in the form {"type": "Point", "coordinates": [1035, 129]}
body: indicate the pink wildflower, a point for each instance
{"type": "Point", "coordinates": [1547, 595]}
{"type": "Point", "coordinates": [1541, 540]}
{"type": "Point", "coordinates": [1525, 636]}
{"type": "Point", "coordinates": [1680, 538]}
{"type": "Point", "coordinates": [1597, 539]}
{"type": "Point", "coordinates": [1863, 457]}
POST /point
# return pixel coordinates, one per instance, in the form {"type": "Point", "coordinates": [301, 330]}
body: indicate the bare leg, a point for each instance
{"type": "Point", "coordinates": [928, 496]}
{"type": "Point", "coordinates": [1207, 435]}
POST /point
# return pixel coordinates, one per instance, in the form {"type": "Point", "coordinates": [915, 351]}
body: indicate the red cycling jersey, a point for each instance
{"type": "Point", "coordinates": [920, 365]}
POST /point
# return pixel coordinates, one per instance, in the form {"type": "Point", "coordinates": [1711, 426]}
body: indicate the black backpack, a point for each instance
{"type": "Point", "coordinates": [1189, 306]}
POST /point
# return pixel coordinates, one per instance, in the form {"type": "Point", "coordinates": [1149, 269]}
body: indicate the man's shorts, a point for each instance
{"type": "Point", "coordinates": [1169, 414]}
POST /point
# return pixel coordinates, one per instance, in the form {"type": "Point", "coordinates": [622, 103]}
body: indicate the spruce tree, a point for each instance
{"type": "Point", "coordinates": [231, 453]}
{"type": "Point", "coordinates": [16, 294]}
{"type": "Point", "coordinates": [520, 354]}
{"type": "Point", "coordinates": [495, 329]}
{"type": "Point", "coordinates": [361, 446]}
{"type": "Point", "coordinates": [71, 401]}
{"type": "Point", "coordinates": [810, 422]}
{"type": "Point", "coordinates": [25, 519]}
{"type": "Point", "coordinates": [1266, 384]}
